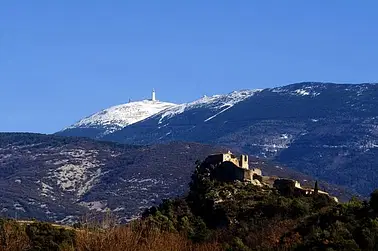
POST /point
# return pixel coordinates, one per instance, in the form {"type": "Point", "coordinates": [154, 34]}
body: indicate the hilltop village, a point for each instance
{"type": "Point", "coordinates": [229, 168]}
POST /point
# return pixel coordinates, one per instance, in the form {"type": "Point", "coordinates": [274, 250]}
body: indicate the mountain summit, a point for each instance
{"type": "Point", "coordinates": [328, 131]}
{"type": "Point", "coordinates": [116, 118]}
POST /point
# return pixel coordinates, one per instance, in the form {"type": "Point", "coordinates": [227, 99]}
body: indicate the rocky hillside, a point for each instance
{"type": "Point", "coordinates": [326, 130]}
{"type": "Point", "coordinates": [58, 179]}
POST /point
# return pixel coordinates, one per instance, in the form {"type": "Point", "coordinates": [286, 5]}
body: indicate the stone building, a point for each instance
{"type": "Point", "coordinates": [230, 168]}
{"type": "Point", "coordinates": [294, 187]}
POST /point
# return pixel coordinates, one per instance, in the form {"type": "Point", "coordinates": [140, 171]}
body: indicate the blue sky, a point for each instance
{"type": "Point", "coordinates": [63, 60]}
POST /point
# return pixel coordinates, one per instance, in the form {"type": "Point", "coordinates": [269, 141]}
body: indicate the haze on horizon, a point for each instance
{"type": "Point", "coordinates": [62, 61]}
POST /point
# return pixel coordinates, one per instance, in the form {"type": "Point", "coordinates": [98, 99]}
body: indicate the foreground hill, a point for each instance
{"type": "Point", "coordinates": [58, 179]}
{"type": "Point", "coordinates": [329, 131]}
{"type": "Point", "coordinates": [242, 216]}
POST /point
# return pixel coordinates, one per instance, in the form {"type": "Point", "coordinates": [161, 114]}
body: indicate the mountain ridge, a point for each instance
{"type": "Point", "coordinates": [61, 179]}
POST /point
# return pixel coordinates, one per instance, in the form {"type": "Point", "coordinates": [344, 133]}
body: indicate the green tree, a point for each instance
{"type": "Point", "coordinates": [316, 188]}
{"type": "Point", "coordinates": [374, 200]}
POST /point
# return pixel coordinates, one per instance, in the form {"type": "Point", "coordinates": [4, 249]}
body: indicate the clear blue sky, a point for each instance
{"type": "Point", "coordinates": [63, 60]}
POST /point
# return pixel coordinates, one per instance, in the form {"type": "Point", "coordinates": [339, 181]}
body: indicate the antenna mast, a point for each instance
{"type": "Point", "coordinates": [153, 98]}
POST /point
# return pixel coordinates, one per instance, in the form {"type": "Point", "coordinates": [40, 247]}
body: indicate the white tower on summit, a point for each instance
{"type": "Point", "coordinates": [153, 95]}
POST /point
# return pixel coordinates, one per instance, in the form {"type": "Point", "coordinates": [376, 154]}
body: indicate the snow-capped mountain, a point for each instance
{"type": "Point", "coordinates": [186, 116]}
{"type": "Point", "coordinates": [326, 130]}
{"type": "Point", "coordinates": [115, 118]}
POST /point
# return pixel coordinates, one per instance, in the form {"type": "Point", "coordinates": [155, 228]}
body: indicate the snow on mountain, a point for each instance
{"type": "Point", "coordinates": [316, 128]}
{"type": "Point", "coordinates": [117, 117]}
{"type": "Point", "coordinates": [216, 102]}
{"type": "Point", "coordinates": [307, 89]}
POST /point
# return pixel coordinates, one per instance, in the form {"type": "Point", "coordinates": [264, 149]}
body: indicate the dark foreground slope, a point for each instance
{"type": "Point", "coordinates": [58, 179]}
{"type": "Point", "coordinates": [329, 131]}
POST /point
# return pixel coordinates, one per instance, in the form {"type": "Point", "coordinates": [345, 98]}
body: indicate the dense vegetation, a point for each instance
{"type": "Point", "coordinates": [218, 216]}
{"type": "Point", "coordinates": [137, 236]}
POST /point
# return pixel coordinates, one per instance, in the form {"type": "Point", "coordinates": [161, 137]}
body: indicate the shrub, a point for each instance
{"type": "Point", "coordinates": [374, 200]}
{"type": "Point", "coordinates": [44, 236]}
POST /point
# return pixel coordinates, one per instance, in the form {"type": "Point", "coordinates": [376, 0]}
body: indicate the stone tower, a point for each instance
{"type": "Point", "coordinates": [243, 163]}
{"type": "Point", "coordinates": [153, 98]}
